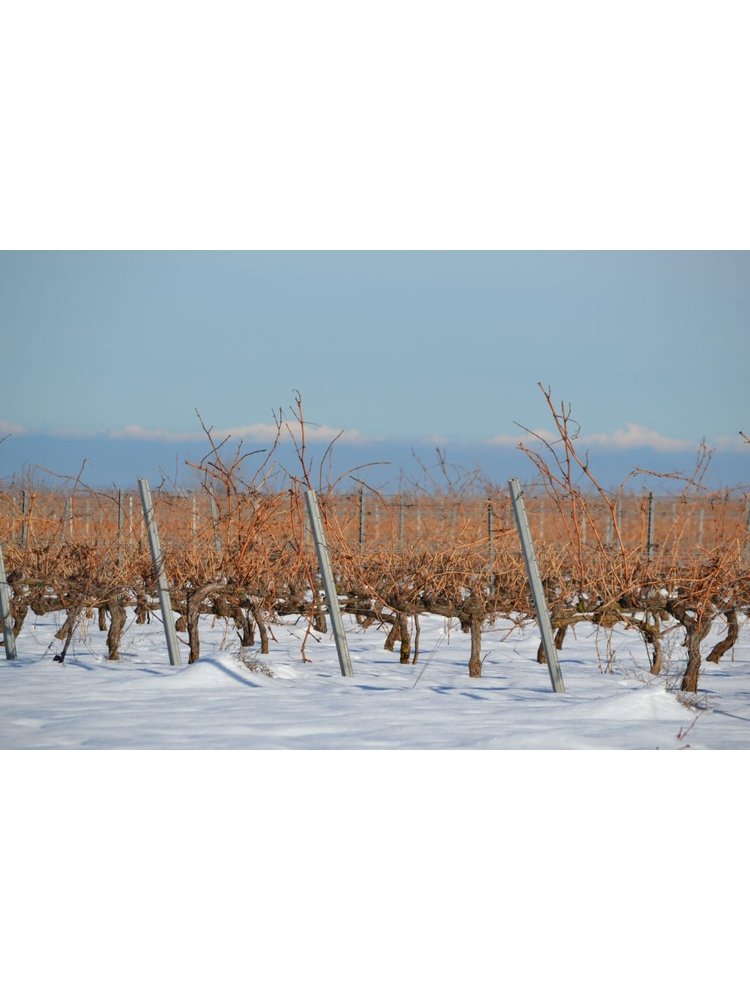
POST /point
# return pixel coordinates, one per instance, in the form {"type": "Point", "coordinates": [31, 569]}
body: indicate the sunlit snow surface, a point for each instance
{"type": "Point", "coordinates": [611, 701]}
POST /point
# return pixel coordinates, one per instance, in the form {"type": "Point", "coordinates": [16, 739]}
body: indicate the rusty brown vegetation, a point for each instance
{"type": "Point", "coordinates": [237, 547]}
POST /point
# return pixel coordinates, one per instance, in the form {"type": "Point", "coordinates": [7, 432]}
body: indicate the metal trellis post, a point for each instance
{"type": "Point", "coordinates": [67, 519]}
{"type": "Point", "coordinates": [650, 543]}
{"type": "Point", "coordinates": [24, 510]}
{"type": "Point", "coordinates": [165, 601]}
{"type": "Point", "coordinates": [10, 639]}
{"type": "Point", "coordinates": [362, 514]}
{"type": "Point", "coordinates": [120, 526]}
{"type": "Point", "coordinates": [215, 519]}
{"type": "Point", "coordinates": [535, 582]}
{"type": "Point", "coordinates": [490, 533]}
{"type": "Point", "coordinates": [329, 584]}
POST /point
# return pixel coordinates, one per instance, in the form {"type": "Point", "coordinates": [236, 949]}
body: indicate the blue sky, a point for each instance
{"type": "Point", "coordinates": [406, 345]}
{"type": "Point", "coordinates": [398, 125]}
{"type": "Point", "coordinates": [394, 348]}
{"type": "Point", "coordinates": [516, 127]}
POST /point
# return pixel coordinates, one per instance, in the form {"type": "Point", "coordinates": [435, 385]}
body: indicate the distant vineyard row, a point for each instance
{"type": "Point", "coordinates": [685, 526]}
{"type": "Point", "coordinates": [241, 551]}
{"type": "Point", "coordinates": [249, 559]}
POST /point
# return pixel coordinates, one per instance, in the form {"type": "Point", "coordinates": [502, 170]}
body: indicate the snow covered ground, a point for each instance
{"type": "Point", "coordinates": [377, 875]}
{"type": "Point", "coordinates": [278, 701]}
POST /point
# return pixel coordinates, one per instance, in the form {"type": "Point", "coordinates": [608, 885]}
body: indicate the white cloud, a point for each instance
{"type": "Point", "coordinates": [253, 433]}
{"type": "Point", "coordinates": [6, 427]}
{"type": "Point", "coordinates": [737, 443]}
{"type": "Point", "coordinates": [135, 432]}
{"type": "Point", "coordinates": [257, 433]}
{"type": "Point", "coordinates": [321, 433]}
{"type": "Point", "coordinates": [636, 436]}
{"type": "Point", "coordinates": [512, 441]}
{"type": "Point", "coordinates": [632, 436]}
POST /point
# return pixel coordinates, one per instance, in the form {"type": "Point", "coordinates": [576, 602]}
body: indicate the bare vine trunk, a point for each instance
{"type": "Point", "coordinates": [319, 619]}
{"type": "Point", "coordinates": [560, 633]}
{"type": "Point", "coordinates": [245, 627]}
{"type": "Point", "coordinates": [194, 602]}
{"type": "Point", "coordinates": [404, 639]}
{"type": "Point", "coordinates": [142, 612]}
{"type": "Point", "coordinates": [114, 635]}
{"type": "Point", "coordinates": [475, 660]}
{"type": "Point", "coordinates": [390, 639]}
{"type": "Point", "coordinates": [733, 633]}
{"type": "Point", "coordinates": [652, 632]}
{"type": "Point", "coordinates": [262, 629]}
{"type": "Point", "coordinates": [696, 632]}
{"type": "Point", "coordinates": [19, 611]}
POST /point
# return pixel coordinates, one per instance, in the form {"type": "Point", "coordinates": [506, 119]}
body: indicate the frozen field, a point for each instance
{"type": "Point", "coordinates": [369, 875]}
{"type": "Point", "coordinates": [611, 701]}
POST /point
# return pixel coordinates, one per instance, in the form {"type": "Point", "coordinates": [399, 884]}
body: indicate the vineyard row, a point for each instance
{"type": "Point", "coordinates": [650, 563]}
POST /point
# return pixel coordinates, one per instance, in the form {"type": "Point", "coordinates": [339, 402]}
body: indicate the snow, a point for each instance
{"type": "Point", "coordinates": [280, 702]}
{"type": "Point", "coordinates": [369, 874]}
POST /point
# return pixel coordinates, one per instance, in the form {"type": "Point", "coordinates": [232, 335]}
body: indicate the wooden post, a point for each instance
{"type": "Point", "coordinates": [10, 639]}
{"type": "Point", "coordinates": [490, 533]}
{"type": "Point", "coordinates": [608, 537]}
{"type": "Point", "coordinates": [165, 601]}
{"type": "Point", "coordinates": [120, 526]}
{"type": "Point", "coordinates": [24, 509]}
{"type": "Point", "coordinates": [67, 519]}
{"type": "Point", "coordinates": [375, 526]}
{"type": "Point", "coordinates": [535, 582]}
{"type": "Point", "coordinates": [650, 536]}
{"type": "Point", "coordinates": [215, 519]}
{"type": "Point", "coordinates": [361, 521]}
{"type": "Point", "coordinates": [329, 584]}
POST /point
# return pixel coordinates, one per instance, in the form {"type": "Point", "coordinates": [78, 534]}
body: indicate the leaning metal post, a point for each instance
{"type": "Point", "coordinates": [165, 601]}
{"type": "Point", "coordinates": [650, 532]}
{"type": "Point", "coordinates": [120, 526]}
{"type": "Point", "coordinates": [535, 582]}
{"type": "Point", "coordinates": [490, 533]}
{"type": "Point", "coordinates": [329, 584]}
{"type": "Point", "coordinates": [24, 510]}
{"type": "Point", "coordinates": [10, 639]}
{"type": "Point", "coordinates": [215, 520]}
{"type": "Point", "coordinates": [361, 520]}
